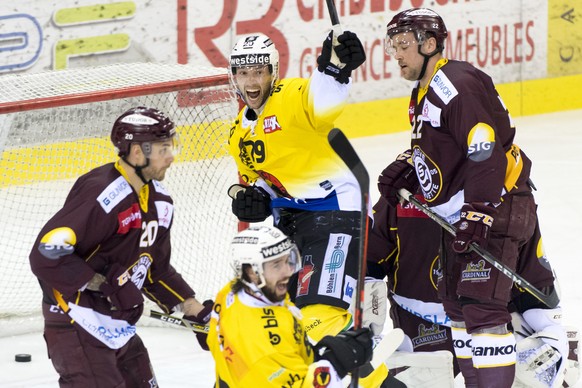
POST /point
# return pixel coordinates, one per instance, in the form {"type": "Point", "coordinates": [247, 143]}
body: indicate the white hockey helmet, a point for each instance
{"type": "Point", "coordinates": [260, 244]}
{"type": "Point", "coordinates": [254, 50]}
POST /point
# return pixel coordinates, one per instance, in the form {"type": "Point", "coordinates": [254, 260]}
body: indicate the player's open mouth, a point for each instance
{"type": "Point", "coordinates": [253, 95]}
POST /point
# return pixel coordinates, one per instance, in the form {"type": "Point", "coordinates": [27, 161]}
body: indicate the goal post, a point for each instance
{"type": "Point", "coordinates": [55, 126]}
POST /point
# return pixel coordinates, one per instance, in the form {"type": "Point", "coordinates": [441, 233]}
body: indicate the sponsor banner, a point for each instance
{"type": "Point", "coordinates": [511, 45]}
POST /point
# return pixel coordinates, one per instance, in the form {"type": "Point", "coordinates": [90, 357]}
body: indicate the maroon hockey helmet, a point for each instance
{"type": "Point", "coordinates": [419, 20]}
{"type": "Point", "coordinates": [140, 125]}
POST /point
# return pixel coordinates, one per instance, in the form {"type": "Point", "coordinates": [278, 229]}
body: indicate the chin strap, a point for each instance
{"type": "Point", "coordinates": [138, 169]}
{"type": "Point", "coordinates": [427, 57]}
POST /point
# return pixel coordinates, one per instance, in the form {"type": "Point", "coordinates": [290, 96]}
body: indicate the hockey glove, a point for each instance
{"type": "Point", "coordinates": [250, 203]}
{"type": "Point", "coordinates": [399, 174]}
{"type": "Point", "coordinates": [346, 351]}
{"type": "Point", "coordinates": [120, 290]}
{"type": "Point", "coordinates": [350, 54]}
{"type": "Point", "coordinates": [202, 318]}
{"type": "Point", "coordinates": [473, 227]}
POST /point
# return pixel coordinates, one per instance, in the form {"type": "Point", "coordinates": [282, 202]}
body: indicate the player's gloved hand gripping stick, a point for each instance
{"type": "Point", "coordinates": [551, 300]}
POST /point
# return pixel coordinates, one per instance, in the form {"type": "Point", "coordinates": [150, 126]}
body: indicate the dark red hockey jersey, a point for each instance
{"type": "Point", "coordinates": [104, 221]}
{"type": "Point", "coordinates": [462, 140]}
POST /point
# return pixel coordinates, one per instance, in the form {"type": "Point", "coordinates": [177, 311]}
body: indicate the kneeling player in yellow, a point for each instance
{"type": "Point", "coordinates": [256, 336]}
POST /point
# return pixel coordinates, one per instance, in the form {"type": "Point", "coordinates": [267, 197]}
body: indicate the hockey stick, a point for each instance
{"type": "Point", "coordinates": [551, 300]}
{"type": "Point", "coordinates": [337, 31]}
{"type": "Point", "coordinates": [195, 327]}
{"type": "Point", "coordinates": [342, 147]}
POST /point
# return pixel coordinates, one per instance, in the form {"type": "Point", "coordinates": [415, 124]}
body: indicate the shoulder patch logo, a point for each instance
{"type": "Point", "coordinates": [443, 87]}
{"type": "Point", "coordinates": [114, 194]}
{"type": "Point", "coordinates": [480, 142]}
{"type": "Point", "coordinates": [270, 124]}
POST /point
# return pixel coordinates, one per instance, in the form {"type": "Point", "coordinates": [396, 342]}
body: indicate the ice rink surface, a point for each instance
{"type": "Point", "coordinates": [552, 141]}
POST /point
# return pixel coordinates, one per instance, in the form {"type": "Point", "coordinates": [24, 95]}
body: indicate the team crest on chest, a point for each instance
{"type": "Point", "coordinates": [429, 175]}
{"type": "Point", "coordinates": [270, 124]}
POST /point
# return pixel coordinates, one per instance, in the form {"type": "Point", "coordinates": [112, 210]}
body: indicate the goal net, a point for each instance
{"type": "Point", "coordinates": [55, 126]}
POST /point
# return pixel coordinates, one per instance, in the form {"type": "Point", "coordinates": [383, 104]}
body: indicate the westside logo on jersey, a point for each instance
{"type": "Point", "coordinates": [334, 263]}
{"type": "Point", "coordinates": [114, 194]}
{"type": "Point", "coordinates": [270, 124]}
{"type": "Point", "coordinates": [428, 173]}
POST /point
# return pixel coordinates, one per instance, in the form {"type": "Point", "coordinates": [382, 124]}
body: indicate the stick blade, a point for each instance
{"type": "Point", "coordinates": [342, 146]}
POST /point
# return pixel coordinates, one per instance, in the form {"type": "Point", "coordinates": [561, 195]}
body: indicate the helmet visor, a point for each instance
{"type": "Point", "coordinates": [163, 148]}
{"type": "Point", "coordinates": [287, 263]}
{"type": "Point", "coordinates": [399, 42]}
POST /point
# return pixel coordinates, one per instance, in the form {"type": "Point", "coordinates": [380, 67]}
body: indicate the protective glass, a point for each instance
{"type": "Point", "coordinates": [399, 43]}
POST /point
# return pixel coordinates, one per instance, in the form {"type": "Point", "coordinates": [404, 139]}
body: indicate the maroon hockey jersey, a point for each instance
{"type": "Point", "coordinates": [104, 221]}
{"type": "Point", "coordinates": [462, 140]}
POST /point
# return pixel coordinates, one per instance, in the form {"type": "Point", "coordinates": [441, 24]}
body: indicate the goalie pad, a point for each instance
{"type": "Point", "coordinates": [423, 369]}
{"type": "Point", "coordinates": [537, 363]}
{"type": "Point", "coordinates": [375, 305]}
{"type": "Point", "coordinates": [543, 349]}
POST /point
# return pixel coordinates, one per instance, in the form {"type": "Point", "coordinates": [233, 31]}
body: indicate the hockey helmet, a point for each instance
{"type": "Point", "coordinates": [419, 21]}
{"type": "Point", "coordinates": [254, 50]}
{"type": "Point", "coordinates": [257, 245]}
{"type": "Point", "coordinates": [141, 125]}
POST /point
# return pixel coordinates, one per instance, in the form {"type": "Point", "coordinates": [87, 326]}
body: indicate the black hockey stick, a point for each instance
{"type": "Point", "coordinates": [551, 300]}
{"type": "Point", "coordinates": [343, 148]}
{"type": "Point", "coordinates": [177, 321]}
{"type": "Point", "coordinates": [332, 13]}
{"type": "Point", "coordinates": [337, 31]}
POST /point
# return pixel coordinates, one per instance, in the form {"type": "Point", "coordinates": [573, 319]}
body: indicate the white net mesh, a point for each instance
{"type": "Point", "coordinates": [64, 132]}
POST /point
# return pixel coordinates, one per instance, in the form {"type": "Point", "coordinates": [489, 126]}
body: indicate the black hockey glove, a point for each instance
{"type": "Point", "coordinates": [202, 318]}
{"type": "Point", "coordinates": [250, 203]}
{"type": "Point", "coordinates": [474, 225]}
{"type": "Point", "coordinates": [346, 351]}
{"type": "Point", "coordinates": [350, 54]}
{"type": "Point", "coordinates": [120, 290]}
{"type": "Point", "coordinates": [399, 174]}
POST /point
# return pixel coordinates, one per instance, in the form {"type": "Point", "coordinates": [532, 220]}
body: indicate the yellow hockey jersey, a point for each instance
{"type": "Point", "coordinates": [258, 343]}
{"type": "Point", "coordinates": [286, 146]}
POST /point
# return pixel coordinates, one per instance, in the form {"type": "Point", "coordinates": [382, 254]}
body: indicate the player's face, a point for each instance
{"type": "Point", "coordinates": [403, 47]}
{"type": "Point", "coordinates": [254, 82]}
{"type": "Point", "coordinates": [277, 273]}
{"type": "Point", "coordinates": [161, 158]}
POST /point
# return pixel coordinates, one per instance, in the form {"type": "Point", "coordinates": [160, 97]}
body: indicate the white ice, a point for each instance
{"type": "Point", "coordinates": [552, 141]}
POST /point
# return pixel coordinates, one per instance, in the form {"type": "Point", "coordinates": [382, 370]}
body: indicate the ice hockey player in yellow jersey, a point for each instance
{"type": "Point", "coordinates": [256, 336]}
{"type": "Point", "coordinates": [290, 172]}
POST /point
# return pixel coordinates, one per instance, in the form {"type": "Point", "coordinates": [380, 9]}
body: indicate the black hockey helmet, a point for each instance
{"type": "Point", "coordinates": [419, 21]}
{"type": "Point", "coordinates": [140, 125]}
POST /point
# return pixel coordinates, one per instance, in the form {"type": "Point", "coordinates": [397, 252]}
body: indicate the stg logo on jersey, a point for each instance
{"type": "Point", "coordinates": [270, 124]}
